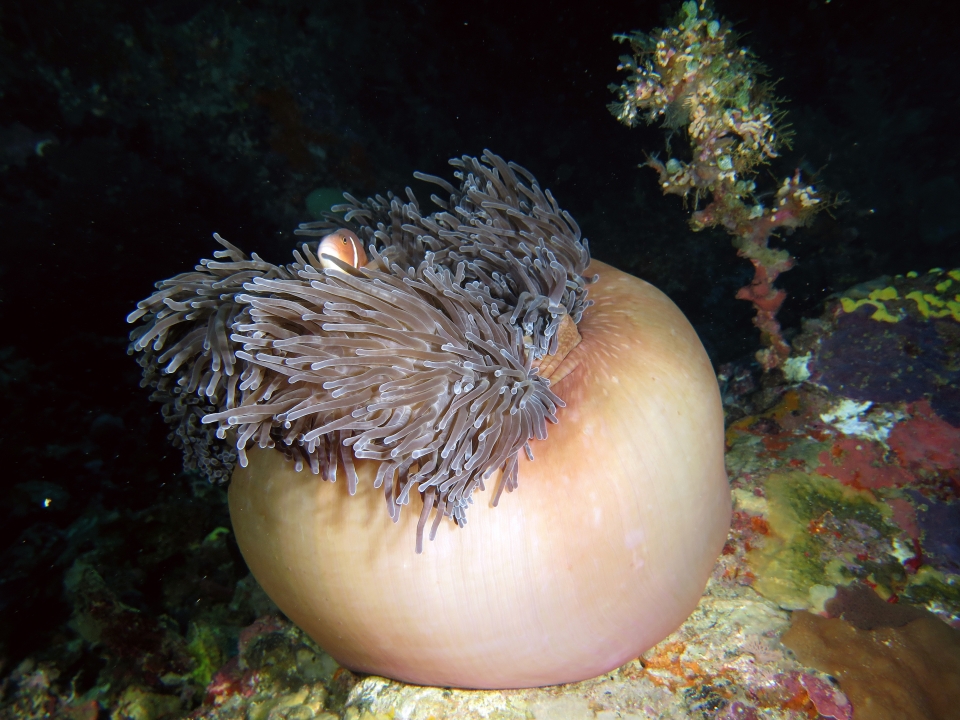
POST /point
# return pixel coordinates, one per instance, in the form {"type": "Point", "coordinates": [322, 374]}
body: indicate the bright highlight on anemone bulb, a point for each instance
{"type": "Point", "coordinates": [463, 357]}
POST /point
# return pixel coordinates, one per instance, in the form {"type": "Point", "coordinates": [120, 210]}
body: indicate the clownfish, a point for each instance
{"type": "Point", "coordinates": [344, 245]}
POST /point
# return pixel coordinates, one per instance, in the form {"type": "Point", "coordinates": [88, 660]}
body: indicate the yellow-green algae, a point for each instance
{"type": "Point", "coordinates": [204, 647]}
{"type": "Point", "coordinates": [929, 305]}
{"type": "Point", "coordinates": [789, 564]}
{"type": "Point", "coordinates": [139, 704]}
{"type": "Point", "coordinates": [806, 450]}
{"type": "Point", "coordinates": [307, 701]}
{"type": "Point", "coordinates": [214, 535]}
{"type": "Point", "coordinates": [876, 298]}
{"type": "Point", "coordinates": [930, 587]}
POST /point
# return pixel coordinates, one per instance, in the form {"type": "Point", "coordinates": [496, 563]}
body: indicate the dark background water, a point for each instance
{"type": "Point", "coordinates": [161, 122]}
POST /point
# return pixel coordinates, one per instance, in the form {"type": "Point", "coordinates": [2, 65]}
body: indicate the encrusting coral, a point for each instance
{"type": "Point", "coordinates": [907, 671]}
{"type": "Point", "coordinates": [429, 377]}
{"type": "Point", "coordinates": [694, 76]}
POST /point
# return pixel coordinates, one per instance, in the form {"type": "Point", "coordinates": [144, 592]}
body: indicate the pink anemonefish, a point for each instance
{"type": "Point", "coordinates": [344, 245]}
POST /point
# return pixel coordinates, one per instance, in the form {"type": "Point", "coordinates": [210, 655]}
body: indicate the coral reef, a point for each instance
{"type": "Point", "coordinates": [693, 77]}
{"type": "Point", "coordinates": [162, 120]}
{"type": "Point", "coordinates": [833, 495]}
{"type": "Point", "coordinates": [853, 471]}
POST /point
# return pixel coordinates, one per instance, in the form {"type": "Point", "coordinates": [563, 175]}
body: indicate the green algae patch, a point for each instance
{"type": "Point", "coordinates": [205, 648]}
{"type": "Point", "coordinates": [807, 451]}
{"type": "Point", "coordinates": [934, 590]}
{"type": "Point", "coordinates": [215, 535]}
{"type": "Point", "coordinates": [744, 453]}
{"type": "Point", "coordinates": [140, 704]}
{"type": "Point", "coordinates": [807, 517]}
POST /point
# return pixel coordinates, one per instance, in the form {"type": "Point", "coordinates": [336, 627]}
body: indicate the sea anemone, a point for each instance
{"type": "Point", "coordinates": [422, 376]}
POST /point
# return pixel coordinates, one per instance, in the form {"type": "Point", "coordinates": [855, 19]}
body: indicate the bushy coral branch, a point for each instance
{"type": "Point", "coordinates": [694, 76]}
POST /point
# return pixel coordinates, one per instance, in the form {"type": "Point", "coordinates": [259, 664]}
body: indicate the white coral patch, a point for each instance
{"type": "Point", "coordinates": [795, 369]}
{"type": "Point", "coordinates": [850, 418]}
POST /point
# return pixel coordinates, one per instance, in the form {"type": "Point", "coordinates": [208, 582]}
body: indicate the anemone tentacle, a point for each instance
{"type": "Point", "coordinates": [424, 360]}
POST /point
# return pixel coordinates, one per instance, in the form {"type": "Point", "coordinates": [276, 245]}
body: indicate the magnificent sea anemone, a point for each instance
{"type": "Point", "coordinates": [462, 360]}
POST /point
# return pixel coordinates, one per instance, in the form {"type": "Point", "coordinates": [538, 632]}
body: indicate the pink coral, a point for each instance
{"type": "Point", "coordinates": [827, 699]}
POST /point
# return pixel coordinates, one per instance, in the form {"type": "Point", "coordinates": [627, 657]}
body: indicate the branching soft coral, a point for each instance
{"type": "Point", "coordinates": [694, 76]}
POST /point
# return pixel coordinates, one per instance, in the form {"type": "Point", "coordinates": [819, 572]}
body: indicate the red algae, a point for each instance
{"type": "Point", "coordinates": [926, 441]}
{"type": "Point", "coordinates": [859, 463]}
